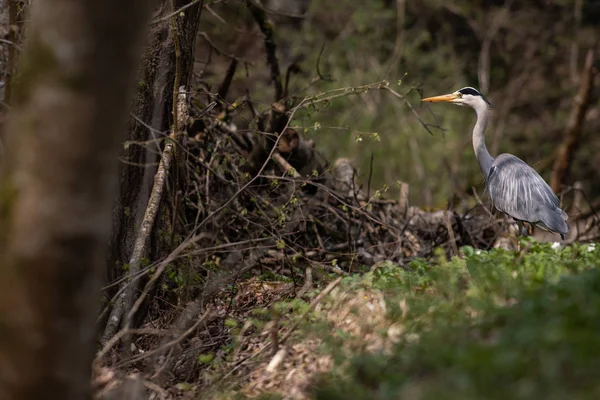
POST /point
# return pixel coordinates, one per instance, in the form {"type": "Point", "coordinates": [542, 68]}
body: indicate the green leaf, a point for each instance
{"type": "Point", "coordinates": [206, 358]}
{"type": "Point", "coordinates": [230, 323]}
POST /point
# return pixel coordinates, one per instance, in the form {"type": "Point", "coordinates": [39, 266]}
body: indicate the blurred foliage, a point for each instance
{"type": "Point", "coordinates": [493, 325]}
{"type": "Point", "coordinates": [536, 49]}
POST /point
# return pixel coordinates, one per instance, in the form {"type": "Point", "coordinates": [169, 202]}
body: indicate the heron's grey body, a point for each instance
{"type": "Point", "coordinates": [515, 188]}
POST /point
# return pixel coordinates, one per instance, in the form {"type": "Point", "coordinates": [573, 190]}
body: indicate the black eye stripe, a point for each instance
{"type": "Point", "coordinates": [474, 92]}
{"type": "Point", "coordinates": [469, 90]}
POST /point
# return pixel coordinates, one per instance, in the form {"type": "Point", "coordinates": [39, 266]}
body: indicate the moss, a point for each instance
{"type": "Point", "coordinates": [142, 85]}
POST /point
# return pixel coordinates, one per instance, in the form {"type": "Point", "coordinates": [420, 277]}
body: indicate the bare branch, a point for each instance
{"type": "Point", "coordinates": [266, 27]}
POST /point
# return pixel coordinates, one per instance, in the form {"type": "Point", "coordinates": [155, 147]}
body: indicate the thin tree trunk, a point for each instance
{"type": "Point", "coordinates": [56, 189]}
{"type": "Point", "coordinates": [570, 143]}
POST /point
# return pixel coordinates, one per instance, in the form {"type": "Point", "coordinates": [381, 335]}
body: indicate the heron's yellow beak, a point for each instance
{"type": "Point", "coordinates": [438, 99]}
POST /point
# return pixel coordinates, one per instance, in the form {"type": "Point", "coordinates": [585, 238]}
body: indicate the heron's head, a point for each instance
{"type": "Point", "coordinates": [466, 96]}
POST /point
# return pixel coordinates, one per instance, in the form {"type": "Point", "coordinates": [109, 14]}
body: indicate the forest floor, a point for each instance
{"type": "Point", "coordinates": [492, 324]}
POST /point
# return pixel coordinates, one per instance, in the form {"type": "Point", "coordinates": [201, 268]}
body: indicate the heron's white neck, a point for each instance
{"type": "Point", "coordinates": [483, 155]}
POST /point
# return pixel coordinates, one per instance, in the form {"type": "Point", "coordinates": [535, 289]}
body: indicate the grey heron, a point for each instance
{"type": "Point", "coordinates": [515, 188]}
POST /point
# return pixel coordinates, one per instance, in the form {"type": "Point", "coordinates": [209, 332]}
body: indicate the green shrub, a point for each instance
{"type": "Point", "coordinates": [493, 325]}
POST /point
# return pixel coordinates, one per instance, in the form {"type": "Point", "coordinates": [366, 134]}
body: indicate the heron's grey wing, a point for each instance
{"type": "Point", "coordinates": [519, 191]}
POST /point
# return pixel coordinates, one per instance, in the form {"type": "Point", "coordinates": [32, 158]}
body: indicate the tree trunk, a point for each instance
{"type": "Point", "coordinates": [152, 117]}
{"type": "Point", "coordinates": [574, 130]}
{"type": "Point", "coordinates": [56, 190]}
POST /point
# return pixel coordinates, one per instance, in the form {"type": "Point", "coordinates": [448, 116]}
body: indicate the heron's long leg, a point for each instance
{"type": "Point", "coordinates": [524, 228]}
{"type": "Point", "coordinates": [529, 229]}
{"type": "Point", "coordinates": [521, 230]}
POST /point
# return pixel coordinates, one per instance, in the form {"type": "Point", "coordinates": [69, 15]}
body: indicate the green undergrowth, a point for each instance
{"type": "Point", "coordinates": [487, 325]}
{"type": "Point", "coordinates": [491, 325]}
